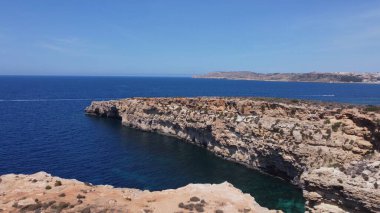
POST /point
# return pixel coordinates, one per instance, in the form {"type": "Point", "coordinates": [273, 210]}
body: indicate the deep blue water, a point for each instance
{"type": "Point", "coordinates": [43, 128]}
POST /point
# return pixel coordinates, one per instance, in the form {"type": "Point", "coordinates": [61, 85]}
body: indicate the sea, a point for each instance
{"type": "Point", "coordinates": [43, 127]}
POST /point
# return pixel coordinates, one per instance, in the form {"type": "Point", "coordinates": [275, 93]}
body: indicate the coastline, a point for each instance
{"type": "Point", "coordinates": [229, 138]}
{"type": "Point", "coordinates": [43, 192]}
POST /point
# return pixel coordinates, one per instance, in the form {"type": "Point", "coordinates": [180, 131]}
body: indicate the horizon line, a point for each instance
{"type": "Point", "coordinates": [173, 75]}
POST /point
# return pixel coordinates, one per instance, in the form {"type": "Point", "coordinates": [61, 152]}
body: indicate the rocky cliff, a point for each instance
{"type": "Point", "coordinates": [41, 192]}
{"type": "Point", "coordinates": [329, 150]}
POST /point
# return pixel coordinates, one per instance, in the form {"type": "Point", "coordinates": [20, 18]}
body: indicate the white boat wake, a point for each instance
{"type": "Point", "coordinates": [327, 95]}
{"type": "Point", "coordinates": [53, 99]}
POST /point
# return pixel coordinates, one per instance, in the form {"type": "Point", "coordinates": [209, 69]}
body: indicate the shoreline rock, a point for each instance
{"type": "Point", "coordinates": [329, 150]}
{"type": "Point", "coordinates": [43, 192]}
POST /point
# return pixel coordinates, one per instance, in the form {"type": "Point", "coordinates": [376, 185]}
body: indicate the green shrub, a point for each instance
{"type": "Point", "coordinates": [372, 108]}
{"type": "Point", "coordinates": [327, 121]}
{"type": "Point", "coordinates": [79, 196]}
{"type": "Point", "coordinates": [336, 126]}
{"type": "Point", "coordinates": [194, 199]}
{"type": "Point", "coordinates": [328, 136]}
{"type": "Point", "coordinates": [262, 108]}
{"type": "Point", "coordinates": [58, 183]}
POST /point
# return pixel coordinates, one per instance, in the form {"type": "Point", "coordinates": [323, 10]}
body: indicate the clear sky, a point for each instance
{"type": "Point", "coordinates": [179, 38]}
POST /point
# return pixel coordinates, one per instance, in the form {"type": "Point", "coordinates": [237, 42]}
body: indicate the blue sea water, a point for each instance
{"type": "Point", "coordinates": [43, 128]}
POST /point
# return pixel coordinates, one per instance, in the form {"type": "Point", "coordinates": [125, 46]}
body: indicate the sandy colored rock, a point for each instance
{"type": "Point", "coordinates": [29, 193]}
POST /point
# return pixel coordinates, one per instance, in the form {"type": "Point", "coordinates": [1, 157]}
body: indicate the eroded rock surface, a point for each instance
{"type": "Point", "coordinates": [329, 150]}
{"type": "Point", "coordinates": [42, 192]}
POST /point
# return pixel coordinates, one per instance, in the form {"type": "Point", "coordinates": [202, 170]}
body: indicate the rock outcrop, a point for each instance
{"type": "Point", "coordinates": [329, 150]}
{"type": "Point", "coordinates": [41, 192]}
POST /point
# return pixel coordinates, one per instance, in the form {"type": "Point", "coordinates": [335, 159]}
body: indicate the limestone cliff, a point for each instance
{"type": "Point", "coordinates": [41, 192]}
{"type": "Point", "coordinates": [329, 150]}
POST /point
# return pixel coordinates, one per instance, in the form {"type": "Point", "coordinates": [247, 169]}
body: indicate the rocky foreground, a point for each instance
{"type": "Point", "coordinates": [335, 77]}
{"type": "Point", "coordinates": [41, 192]}
{"type": "Point", "coordinates": [331, 151]}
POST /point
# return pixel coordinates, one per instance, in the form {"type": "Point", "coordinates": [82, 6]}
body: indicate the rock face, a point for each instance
{"type": "Point", "coordinates": [41, 192]}
{"type": "Point", "coordinates": [329, 150]}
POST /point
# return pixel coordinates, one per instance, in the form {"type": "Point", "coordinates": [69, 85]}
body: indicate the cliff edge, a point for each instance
{"type": "Point", "coordinates": [42, 192]}
{"type": "Point", "coordinates": [331, 151]}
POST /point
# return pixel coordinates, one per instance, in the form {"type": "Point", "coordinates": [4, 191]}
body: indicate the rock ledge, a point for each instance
{"type": "Point", "coordinates": [43, 192]}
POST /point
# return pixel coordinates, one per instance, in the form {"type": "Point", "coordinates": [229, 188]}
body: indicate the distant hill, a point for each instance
{"type": "Point", "coordinates": [336, 77]}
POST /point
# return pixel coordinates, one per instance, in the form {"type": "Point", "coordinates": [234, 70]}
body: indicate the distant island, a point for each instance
{"type": "Point", "coordinates": [333, 77]}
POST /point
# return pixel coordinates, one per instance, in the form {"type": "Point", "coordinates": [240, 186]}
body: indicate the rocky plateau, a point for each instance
{"type": "Point", "coordinates": [41, 192]}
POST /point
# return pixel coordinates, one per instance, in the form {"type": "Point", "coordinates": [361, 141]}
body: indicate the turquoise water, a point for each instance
{"type": "Point", "coordinates": [43, 128]}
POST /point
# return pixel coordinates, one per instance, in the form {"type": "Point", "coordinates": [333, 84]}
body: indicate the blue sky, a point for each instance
{"type": "Point", "coordinates": [181, 38]}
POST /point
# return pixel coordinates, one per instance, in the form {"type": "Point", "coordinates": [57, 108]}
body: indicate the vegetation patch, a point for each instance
{"type": "Point", "coordinates": [58, 183]}
{"type": "Point", "coordinates": [336, 126]}
{"type": "Point", "coordinates": [199, 207]}
{"type": "Point", "coordinates": [79, 196]}
{"type": "Point", "coordinates": [194, 199]}
{"type": "Point", "coordinates": [31, 207]}
{"type": "Point", "coordinates": [372, 108]}
{"type": "Point", "coordinates": [327, 121]}
{"type": "Point", "coordinates": [60, 206]}
{"type": "Point", "coordinates": [328, 134]}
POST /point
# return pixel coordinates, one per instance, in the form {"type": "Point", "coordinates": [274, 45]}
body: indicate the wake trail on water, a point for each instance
{"type": "Point", "coordinates": [54, 99]}
{"type": "Point", "coordinates": [327, 95]}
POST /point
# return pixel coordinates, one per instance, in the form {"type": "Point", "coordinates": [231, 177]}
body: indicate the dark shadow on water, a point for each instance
{"type": "Point", "coordinates": [155, 162]}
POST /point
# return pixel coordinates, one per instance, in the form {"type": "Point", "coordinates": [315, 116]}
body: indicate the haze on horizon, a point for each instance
{"type": "Point", "coordinates": [182, 38]}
